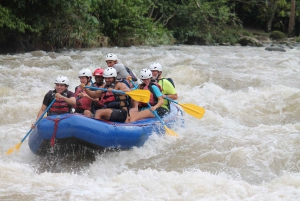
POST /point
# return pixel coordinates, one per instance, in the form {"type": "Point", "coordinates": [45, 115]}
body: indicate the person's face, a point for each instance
{"type": "Point", "coordinates": [110, 63]}
{"type": "Point", "coordinates": [60, 88]}
{"type": "Point", "coordinates": [109, 80]}
{"type": "Point", "coordinates": [98, 79]}
{"type": "Point", "coordinates": [154, 74]}
{"type": "Point", "coordinates": [146, 81]}
{"type": "Point", "coordinates": [83, 80]}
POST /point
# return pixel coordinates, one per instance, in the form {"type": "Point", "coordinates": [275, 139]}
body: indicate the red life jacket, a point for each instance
{"type": "Point", "coordinates": [59, 106]}
{"type": "Point", "coordinates": [111, 100]}
{"type": "Point", "coordinates": [82, 102]}
{"type": "Point", "coordinates": [153, 99]}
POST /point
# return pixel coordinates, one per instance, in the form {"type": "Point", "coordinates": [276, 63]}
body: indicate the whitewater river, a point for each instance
{"type": "Point", "coordinates": [246, 147]}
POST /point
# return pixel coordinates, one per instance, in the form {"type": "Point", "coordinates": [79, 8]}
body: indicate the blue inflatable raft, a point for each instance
{"type": "Point", "coordinates": [62, 132]}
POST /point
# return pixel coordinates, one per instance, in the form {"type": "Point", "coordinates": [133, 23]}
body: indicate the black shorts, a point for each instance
{"type": "Point", "coordinates": [118, 115]}
{"type": "Point", "coordinates": [161, 111]}
{"type": "Point", "coordinates": [79, 110]}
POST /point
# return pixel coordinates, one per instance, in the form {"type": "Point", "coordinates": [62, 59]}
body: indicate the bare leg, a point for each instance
{"type": "Point", "coordinates": [103, 114]}
{"type": "Point", "coordinates": [141, 115]}
{"type": "Point", "coordinates": [87, 113]}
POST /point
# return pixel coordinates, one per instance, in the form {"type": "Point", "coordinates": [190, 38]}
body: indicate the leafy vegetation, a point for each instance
{"type": "Point", "coordinates": [53, 24]}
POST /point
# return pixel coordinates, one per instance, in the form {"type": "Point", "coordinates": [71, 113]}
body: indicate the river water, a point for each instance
{"type": "Point", "coordinates": [246, 147]}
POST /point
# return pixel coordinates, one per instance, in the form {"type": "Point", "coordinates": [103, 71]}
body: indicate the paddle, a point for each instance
{"type": "Point", "coordinates": [168, 130]}
{"type": "Point", "coordinates": [138, 95]}
{"type": "Point", "coordinates": [190, 108]}
{"type": "Point", "coordinates": [17, 147]}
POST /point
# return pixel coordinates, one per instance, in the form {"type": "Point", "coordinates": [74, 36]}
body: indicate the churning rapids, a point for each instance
{"type": "Point", "coordinates": [246, 147]}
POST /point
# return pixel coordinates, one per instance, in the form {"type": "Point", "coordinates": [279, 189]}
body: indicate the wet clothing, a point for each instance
{"type": "Point", "coordinates": [82, 103]}
{"type": "Point", "coordinates": [59, 106]}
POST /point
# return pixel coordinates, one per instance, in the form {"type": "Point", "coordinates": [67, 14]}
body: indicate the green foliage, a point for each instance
{"type": "Point", "coordinates": [52, 24]}
{"type": "Point", "coordinates": [126, 23]}
{"type": "Point", "coordinates": [11, 22]}
{"type": "Point", "coordinates": [192, 19]}
{"type": "Point", "coordinates": [275, 35]}
{"type": "Point", "coordinates": [75, 27]}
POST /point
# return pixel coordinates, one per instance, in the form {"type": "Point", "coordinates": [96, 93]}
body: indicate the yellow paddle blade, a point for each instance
{"type": "Point", "coordinates": [170, 132]}
{"type": "Point", "coordinates": [15, 148]}
{"type": "Point", "coordinates": [139, 95]}
{"type": "Point", "coordinates": [193, 110]}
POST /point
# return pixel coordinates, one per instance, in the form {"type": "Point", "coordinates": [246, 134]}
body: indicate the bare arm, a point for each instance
{"type": "Point", "coordinates": [93, 94]}
{"type": "Point", "coordinates": [159, 103]}
{"type": "Point", "coordinates": [71, 101]}
{"type": "Point", "coordinates": [121, 86]}
{"type": "Point", "coordinates": [87, 96]}
{"type": "Point", "coordinates": [172, 96]}
{"type": "Point", "coordinates": [41, 111]}
{"type": "Point", "coordinates": [43, 108]}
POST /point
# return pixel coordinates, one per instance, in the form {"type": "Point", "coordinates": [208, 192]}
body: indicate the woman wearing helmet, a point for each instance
{"type": "Point", "coordinates": [83, 101]}
{"type": "Point", "coordinates": [156, 98]}
{"type": "Point", "coordinates": [65, 99]}
{"type": "Point", "coordinates": [115, 106]}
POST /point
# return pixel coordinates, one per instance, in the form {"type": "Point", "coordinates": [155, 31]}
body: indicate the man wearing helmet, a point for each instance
{"type": "Point", "coordinates": [167, 87]}
{"type": "Point", "coordinates": [122, 71]}
{"type": "Point", "coordinates": [99, 82]}
{"type": "Point", "coordinates": [115, 106]}
{"type": "Point", "coordinates": [156, 98]}
{"type": "Point", "coordinates": [83, 101]}
{"type": "Point", "coordinates": [65, 99]}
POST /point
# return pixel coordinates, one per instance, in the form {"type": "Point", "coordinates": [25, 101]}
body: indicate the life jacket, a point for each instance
{"type": "Point", "coordinates": [96, 105]}
{"type": "Point", "coordinates": [59, 106]}
{"type": "Point", "coordinates": [112, 100]}
{"type": "Point", "coordinates": [153, 99]}
{"type": "Point", "coordinates": [83, 103]}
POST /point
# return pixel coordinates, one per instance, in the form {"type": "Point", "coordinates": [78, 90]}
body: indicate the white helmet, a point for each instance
{"type": "Point", "coordinates": [111, 57]}
{"type": "Point", "coordinates": [62, 80]}
{"type": "Point", "coordinates": [145, 73]}
{"type": "Point", "coordinates": [85, 72]}
{"type": "Point", "coordinates": [110, 72]}
{"type": "Point", "coordinates": [155, 66]}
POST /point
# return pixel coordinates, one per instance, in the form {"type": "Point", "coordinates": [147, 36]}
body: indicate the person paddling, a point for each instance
{"type": "Point", "coordinates": [115, 106]}
{"type": "Point", "coordinates": [167, 87]}
{"type": "Point", "coordinates": [83, 101]}
{"type": "Point", "coordinates": [65, 99]}
{"type": "Point", "coordinates": [99, 82]}
{"type": "Point", "coordinates": [156, 98]}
